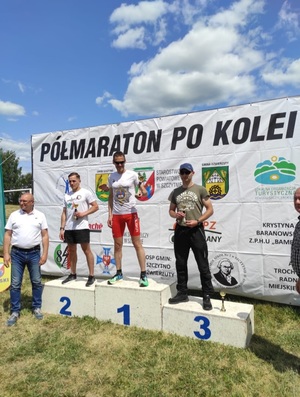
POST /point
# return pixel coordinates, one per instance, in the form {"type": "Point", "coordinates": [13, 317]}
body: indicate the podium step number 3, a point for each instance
{"type": "Point", "coordinates": [126, 303]}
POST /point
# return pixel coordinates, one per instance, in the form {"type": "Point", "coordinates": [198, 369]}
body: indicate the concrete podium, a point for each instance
{"type": "Point", "coordinates": [233, 327]}
{"type": "Point", "coordinates": [70, 299]}
{"type": "Point", "coordinates": [129, 304]}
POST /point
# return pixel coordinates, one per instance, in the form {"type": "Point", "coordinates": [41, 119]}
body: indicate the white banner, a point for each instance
{"type": "Point", "coordinates": [247, 157]}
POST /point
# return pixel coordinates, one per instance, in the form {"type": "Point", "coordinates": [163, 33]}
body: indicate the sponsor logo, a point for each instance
{"type": "Point", "coordinates": [228, 270]}
{"type": "Point", "coordinates": [147, 178]}
{"type": "Point", "coordinates": [61, 257]}
{"type": "Point", "coordinates": [216, 180]}
{"type": "Point", "coordinates": [271, 173]}
{"type": "Point", "coordinates": [95, 227]}
{"type": "Point", "coordinates": [105, 260]}
{"type": "Point", "coordinates": [101, 184]}
{"type": "Point", "coordinates": [276, 171]}
{"type": "Point", "coordinates": [2, 268]}
{"type": "Point", "coordinates": [210, 227]}
{"type": "Point", "coordinates": [63, 186]}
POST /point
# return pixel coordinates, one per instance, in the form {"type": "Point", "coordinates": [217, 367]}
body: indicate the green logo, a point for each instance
{"type": "Point", "coordinates": [275, 171]}
{"type": "Point", "coordinates": [216, 181]}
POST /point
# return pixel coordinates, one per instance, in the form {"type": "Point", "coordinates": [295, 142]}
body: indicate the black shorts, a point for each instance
{"type": "Point", "coordinates": [77, 236]}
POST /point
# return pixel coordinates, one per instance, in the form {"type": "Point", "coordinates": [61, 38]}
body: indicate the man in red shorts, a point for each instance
{"type": "Point", "coordinates": [122, 212]}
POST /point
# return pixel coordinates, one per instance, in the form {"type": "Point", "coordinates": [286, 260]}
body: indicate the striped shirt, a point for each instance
{"type": "Point", "coordinates": [295, 252]}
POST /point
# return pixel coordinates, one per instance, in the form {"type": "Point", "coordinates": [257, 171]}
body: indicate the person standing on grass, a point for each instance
{"type": "Point", "coordinates": [122, 211]}
{"type": "Point", "coordinates": [26, 229]}
{"type": "Point", "coordinates": [295, 250]}
{"type": "Point", "coordinates": [186, 205]}
{"type": "Point", "coordinates": [74, 227]}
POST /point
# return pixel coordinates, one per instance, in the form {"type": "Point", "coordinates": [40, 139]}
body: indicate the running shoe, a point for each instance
{"type": "Point", "coordinates": [38, 313]}
{"type": "Point", "coordinates": [70, 277]}
{"type": "Point", "coordinates": [13, 318]}
{"type": "Point", "coordinates": [144, 281]}
{"type": "Point", "coordinates": [117, 277]}
{"type": "Point", "coordinates": [90, 281]}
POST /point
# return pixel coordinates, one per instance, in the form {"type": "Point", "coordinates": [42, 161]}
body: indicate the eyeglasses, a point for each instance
{"type": "Point", "coordinates": [119, 162]}
{"type": "Point", "coordinates": [184, 172]}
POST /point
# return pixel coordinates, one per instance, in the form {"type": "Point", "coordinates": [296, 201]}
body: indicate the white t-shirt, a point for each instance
{"type": "Point", "coordinates": [82, 200]}
{"type": "Point", "coordinates": [26, 228]}
{"type": "Point", "coordinates": [124, 190]}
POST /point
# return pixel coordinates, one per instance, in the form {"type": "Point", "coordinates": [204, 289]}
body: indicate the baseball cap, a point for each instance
{"type": "Point", "coordinates": [186, 166]}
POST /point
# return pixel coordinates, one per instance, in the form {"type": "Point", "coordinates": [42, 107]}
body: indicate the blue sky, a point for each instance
{"type": "Point", "coordinates": [68, 64]}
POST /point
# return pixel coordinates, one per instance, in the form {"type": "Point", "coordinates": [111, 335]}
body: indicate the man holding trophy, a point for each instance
{"type": "Point", "coordinates": [186, 205]}
{"type": "Point", "coordinates": [74, 229]}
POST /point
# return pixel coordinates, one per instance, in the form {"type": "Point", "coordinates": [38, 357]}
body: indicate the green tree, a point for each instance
{"type": "Point", "coordinates": [26, 181]}
{"type": "Point", "coordinates": [12, 175]}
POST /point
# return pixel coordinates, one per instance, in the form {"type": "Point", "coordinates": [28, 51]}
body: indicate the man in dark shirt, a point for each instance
{"type": "Point", "coordinates": [186, 205]}
{"type": "Point", "coordinates": [295, 252]}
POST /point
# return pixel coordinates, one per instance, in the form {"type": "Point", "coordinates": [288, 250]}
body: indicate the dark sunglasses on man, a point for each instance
{"type": "Point", "coordinates": [184, 172]}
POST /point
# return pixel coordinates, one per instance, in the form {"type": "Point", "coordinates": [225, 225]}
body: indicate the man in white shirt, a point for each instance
{"type": "Point", "coordinates": [25, 230]}
{"type": "Point", "coordinates": [124, 186]}
{"type": "Point", "coordinates": [74, 229]}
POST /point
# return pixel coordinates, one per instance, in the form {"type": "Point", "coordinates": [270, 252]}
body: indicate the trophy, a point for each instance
{"type": "Point", "coordinates": [223, 293]}
{"type": "Point", "coordinates": [75, 210]}
{"type": "Point", "coordinates": [183, 209]}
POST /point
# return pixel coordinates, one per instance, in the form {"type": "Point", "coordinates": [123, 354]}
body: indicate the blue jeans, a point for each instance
{"type": "Point", "coordinates": [19, 260]}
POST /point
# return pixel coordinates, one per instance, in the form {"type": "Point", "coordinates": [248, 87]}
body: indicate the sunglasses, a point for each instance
{"type": "Point", "coordinates": [184, 172]}
{"type": "Point", "coordinates": [119, 162]}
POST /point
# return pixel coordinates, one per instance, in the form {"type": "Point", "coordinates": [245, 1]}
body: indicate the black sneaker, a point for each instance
{"type": "Point", "coordinates": [70, 277]}
{"type": "Point", "coordinates": [90, 281]}
{"type": "Point", "coordinates": [180, 297]}
{"type": "Point", "coordinates": [207, 303]}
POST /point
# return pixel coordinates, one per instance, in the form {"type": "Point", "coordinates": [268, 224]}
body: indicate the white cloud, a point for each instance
{"type": "Point", "coordinates": [132, 38]}
{"type": "Point", "coordinates": [101, 99]}
{"type": "Point", "coordinates": [239, 13]}
{"type": "Point", "coordinates": [213, 63]}
{"type": "Point", "coordinates": [187, 11]}
{"type": "Point", "coordinates": [129, 18]}
{"type": "Point", "coordinates": [11, 109]}
{"type": "Point", "coordinates": [21, 87]}
{"type": "Point", "coordinates": [288, 73]}
{"type": "Point", "coordinates": [144, 11]}
{"type": "Point", "coordinates": [289, 21]}
{"type": "Point", "coordinates": [22, 149]}
{"type": "Point", "coordinates": [160, 32]}
{"type": "Point", "coordinates": [71, 118]}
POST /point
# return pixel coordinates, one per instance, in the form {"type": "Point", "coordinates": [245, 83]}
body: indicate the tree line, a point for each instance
{"type": "Point", "coordinates": [13, 177]}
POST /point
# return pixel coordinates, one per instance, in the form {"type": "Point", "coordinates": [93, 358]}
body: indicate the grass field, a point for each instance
{"type": "Point", "coordinates": [83, 357]}
{"type": "Point", "coordinates": [62, 356]}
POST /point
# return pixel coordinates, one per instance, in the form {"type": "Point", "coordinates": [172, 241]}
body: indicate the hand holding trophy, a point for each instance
{"type": "Point", "coordinates": [183, 210]}
{"type": "Point", "coordinates": [75, 210]}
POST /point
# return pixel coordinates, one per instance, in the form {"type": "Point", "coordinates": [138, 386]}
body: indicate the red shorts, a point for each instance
{"type": "Point", "coordinates": [120, 221]}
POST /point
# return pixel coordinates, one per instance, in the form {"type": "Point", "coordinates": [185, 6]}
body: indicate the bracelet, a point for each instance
{"type": "Point", "coordinates": [62, 228]}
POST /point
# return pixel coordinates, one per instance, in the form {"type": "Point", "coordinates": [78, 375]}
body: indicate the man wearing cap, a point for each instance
{"type": "Point", "coordinates": [186, 205]}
